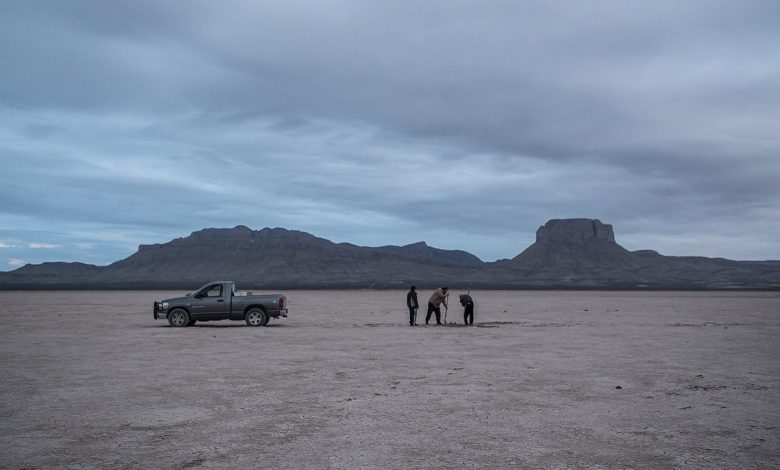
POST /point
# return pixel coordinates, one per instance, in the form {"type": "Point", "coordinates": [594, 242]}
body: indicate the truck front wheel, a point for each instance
{"type": "Point", "coordinates": [256, 317]}
{"type": "Point", "coordinates": [178, 318]}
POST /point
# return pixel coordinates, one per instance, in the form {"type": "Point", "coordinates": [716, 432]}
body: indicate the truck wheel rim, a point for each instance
{"type": "Point", "coordinates": [178, 318]}
{"type": "Point", "coordinates": [254, 318]}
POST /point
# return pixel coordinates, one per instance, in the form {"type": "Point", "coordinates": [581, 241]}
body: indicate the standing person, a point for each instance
{"type": "Point", "coordinates": [438, 297]}
{"type": "Point", "coordinates": [411, 302]}
{"type": "Point", "coordinates": [468, 310]}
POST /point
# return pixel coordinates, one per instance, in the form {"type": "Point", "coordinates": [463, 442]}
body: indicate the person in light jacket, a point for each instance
{"type": "Point", "coordinates": [438, 297]}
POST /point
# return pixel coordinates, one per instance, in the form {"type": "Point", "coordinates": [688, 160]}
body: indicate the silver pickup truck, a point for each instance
{"type": "Point", "coordinates": [221, 301]}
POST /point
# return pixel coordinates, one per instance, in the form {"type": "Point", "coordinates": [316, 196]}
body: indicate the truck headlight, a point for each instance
{"type": "Point", "coordinates": [163, 306]}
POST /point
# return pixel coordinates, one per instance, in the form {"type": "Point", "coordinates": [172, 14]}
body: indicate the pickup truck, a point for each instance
{"type": "Point", "coordinates": [220, 301]}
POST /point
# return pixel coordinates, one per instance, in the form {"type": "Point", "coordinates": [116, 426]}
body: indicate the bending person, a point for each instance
{"type": "Point", "coordinates": [438, 297]}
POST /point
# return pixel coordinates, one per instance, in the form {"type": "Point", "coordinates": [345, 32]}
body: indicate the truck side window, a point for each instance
{"type": "Point", "coordinates": [214, 291]}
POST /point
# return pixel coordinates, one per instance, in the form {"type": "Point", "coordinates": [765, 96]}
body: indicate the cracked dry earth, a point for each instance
{"type": "Point", "coordinates": [650, 380]}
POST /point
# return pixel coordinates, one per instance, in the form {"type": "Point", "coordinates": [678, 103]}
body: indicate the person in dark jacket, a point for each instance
{"type": "Point", "coordinates": [411, 302]}
{"type": "Point", "coordinates": [468, 309]}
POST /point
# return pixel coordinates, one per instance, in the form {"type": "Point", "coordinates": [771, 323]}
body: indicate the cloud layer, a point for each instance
{"type": "Point", "coordinates": [466, 125]}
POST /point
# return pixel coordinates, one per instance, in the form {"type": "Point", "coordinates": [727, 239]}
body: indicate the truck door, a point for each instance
{"type": "Point", "coordinates": [211, 304]}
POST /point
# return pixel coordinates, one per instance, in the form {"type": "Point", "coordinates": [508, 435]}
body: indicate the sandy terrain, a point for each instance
{"type": "Point", "coordinates": [546, 380]}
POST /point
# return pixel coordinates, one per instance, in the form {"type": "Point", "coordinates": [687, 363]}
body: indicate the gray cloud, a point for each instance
{"type": "Point", "coordinates": [466, 125]}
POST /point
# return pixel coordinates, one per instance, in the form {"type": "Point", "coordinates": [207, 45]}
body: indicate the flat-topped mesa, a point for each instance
{"type": "Point", "coordinates": [574, 231]}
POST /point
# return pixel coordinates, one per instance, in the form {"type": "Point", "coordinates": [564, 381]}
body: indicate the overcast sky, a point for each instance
{"type": "Point", "coordinates": [464, 124]}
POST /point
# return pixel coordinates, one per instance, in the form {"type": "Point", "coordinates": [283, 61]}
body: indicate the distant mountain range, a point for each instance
{"type": "Point", "coordinates": [568, 253]}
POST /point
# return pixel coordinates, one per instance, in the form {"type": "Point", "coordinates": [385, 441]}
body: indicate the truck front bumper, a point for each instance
{"type": "Point", "coordinates": [160, 312]}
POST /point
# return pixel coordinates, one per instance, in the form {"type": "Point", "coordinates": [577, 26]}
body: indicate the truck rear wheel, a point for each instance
{"type": "Point", "coordinates": [178, 318]}
{"type": "Point", "coordinates": [256, 317]}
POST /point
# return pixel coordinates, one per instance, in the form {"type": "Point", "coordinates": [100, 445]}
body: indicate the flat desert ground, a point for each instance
{"type": "Point", "coordinates": [551, 380]}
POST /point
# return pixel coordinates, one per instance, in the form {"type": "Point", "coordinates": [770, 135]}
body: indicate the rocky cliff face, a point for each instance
{"type": "Point", "coordinates": [568, 253]}
{"type": "Point", "coordinates": [574, 231]}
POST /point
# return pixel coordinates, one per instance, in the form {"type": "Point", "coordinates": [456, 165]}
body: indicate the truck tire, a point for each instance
{"type": "Point", "coordinates": [178, 318]}
{"type": "Point", "coordinates": [256, 317]}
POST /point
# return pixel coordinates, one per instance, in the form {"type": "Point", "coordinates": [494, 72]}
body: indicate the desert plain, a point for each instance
{"type": "Point", "coordinates": [544, 379]}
